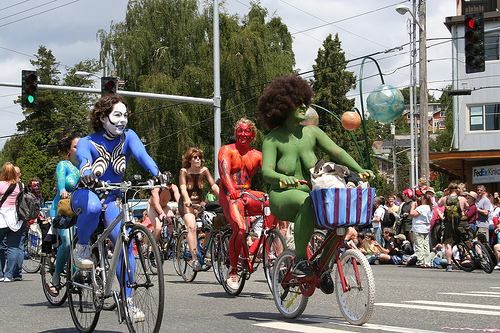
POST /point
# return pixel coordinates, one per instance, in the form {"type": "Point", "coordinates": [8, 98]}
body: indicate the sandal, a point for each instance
{"type": "Point", "coordinates": [52, 289]}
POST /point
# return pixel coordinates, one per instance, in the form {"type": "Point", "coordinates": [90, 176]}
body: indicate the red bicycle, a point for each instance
{"type": "Point", "coordinates": [354, 283]}
{"type": "Point", "coordinates": [271, 243]}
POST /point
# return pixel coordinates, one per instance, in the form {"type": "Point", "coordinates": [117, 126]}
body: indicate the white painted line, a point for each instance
{"type": "Point", "coordinates": [290, 327]}
{"type": "Point", "coordinates": [371, 327]}
{"type": "Point", "coordinates": [486, 292]}
{"type": "Point", "coordinates": [451, 304]}
{"type": "Point", "coordinates": [437, 308]}
{"type": "Point", "coordinates": [469, 294]}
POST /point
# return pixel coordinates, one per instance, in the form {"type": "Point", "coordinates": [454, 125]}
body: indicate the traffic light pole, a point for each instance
{"type": "Point", "coordinates": [175, 98]}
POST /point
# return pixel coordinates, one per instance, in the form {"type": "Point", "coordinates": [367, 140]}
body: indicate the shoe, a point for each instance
{"type": "Point", "coordinates": [376, 262]}
{"type": "Point", "coordinates": [6, 279]}
{"type": "Point", "coordinates": [136, 313]}
{"type": "Point", "coordinates": [326, 285]}
{"type": "Point", "coordinates": [81, 254]}
{"type": "Point", "coordinates": [52, 290]}
{"type": "Point", "coordinates": [232, 281]}
{"type": "Point", "coordinates": [301, 269]}
{"type": "Point", "coordinates": [18, 278]}
{"type": "Point", "coordinates": [1, 279]}
{"type": "Point", "coordinates": [449, 268]}
{"type": "Point", "coordinates": [196, 265]}
{"type": "Point", "coordinates": [497, 266]}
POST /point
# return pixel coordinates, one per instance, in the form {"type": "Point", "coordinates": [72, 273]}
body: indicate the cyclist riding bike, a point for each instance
{"type": "Point", "coordinates": [238, 162]}
{"type": "Point", "coordinates": [104, 155]}
{"type": "Point", "coordinates": [288, 155]}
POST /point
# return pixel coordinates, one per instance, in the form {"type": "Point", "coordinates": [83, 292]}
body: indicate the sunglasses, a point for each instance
{"type": "Point", "coordinates": [196, 157]}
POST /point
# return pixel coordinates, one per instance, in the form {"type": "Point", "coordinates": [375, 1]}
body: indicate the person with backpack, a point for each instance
{"type": "Point", "coordinates": [11, 228]}
{"type": "Point", "coordinates": [378, 217]}
{"type": "Point", "coordinates": [405, 220]}
{"type": "Point", "coordinates": [453, 216]}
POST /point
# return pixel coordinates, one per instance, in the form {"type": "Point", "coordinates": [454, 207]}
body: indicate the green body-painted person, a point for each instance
{"type": "Point", "coordinates": [288, 154]}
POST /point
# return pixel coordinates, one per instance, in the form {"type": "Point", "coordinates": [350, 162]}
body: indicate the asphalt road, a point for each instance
{"type": "Point", "coordinates": [407, 300]}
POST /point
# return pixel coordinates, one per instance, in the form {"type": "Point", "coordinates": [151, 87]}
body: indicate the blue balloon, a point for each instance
{"type": "Point", "coordinates": [385, 103]}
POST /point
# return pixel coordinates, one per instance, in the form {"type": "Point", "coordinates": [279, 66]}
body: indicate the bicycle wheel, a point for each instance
{"type": "Point", "coordinates": [483, 257]}
{"type": "Point", "coordinates": [357, 301]}
{"type": "Point", "coordinates": [81, 297]}
{"type": "Point", "coordinates": [274, 246]}
{"type": "Point", "coordinates": [184, 258]}
{"type": "Point", "coordinates": [214, 252]}
{"type": "Point", "coordinates": [174, 240]}
{"type": "Point", "coordinates": [146, 289]}
{"type": "Point", "coordinates": [462, 258]}
{"type": "Point", "coordinates": [224, 266]}
{"type": "Point", "coordinates": [47, 267]}
{"type": "Point", "coordinates": [31, 261]}
{"type": "Point", "coordinates": [286, 288]}
{"type": "Point", "coordinates": [317, 239]}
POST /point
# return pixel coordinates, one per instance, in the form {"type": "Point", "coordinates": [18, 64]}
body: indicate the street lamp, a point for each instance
{"type": "Point", "coordinates": [424, 141]}
{"type": "Point", "coordinates": [83, 74]}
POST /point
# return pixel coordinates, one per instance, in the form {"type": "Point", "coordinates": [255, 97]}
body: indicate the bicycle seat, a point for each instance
{"type": "Point", "coordinates": [214, 206]}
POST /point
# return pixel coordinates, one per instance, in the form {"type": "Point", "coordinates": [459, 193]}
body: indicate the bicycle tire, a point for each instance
{"type": "Point", "coordinates": [147, 290]}
{"type": "Point", "coordinates": [286, 291]}
{"type": "Point", "coordinates": [175, 239]}
{"type": "Point", "coordinates": [274, 246]}
{"type": "Point", "coordinates": [224, 266]}
{"type": "Point", "coordinates": [47, 267]}
{"type": "Point", "coordinates": [184, 258]}
{"type": "Point", "coordinates": [214, 252]}
{"type": "Point", "coordinates": [357, 302]}
{"type": "Point", "coordinates": [81, 297]}
{"type": "Point", "coordinates": [31, 261]}
{"type": "Point", "coordinates": [462, 259]}
{"type": "Point", "coordinates": [483, 257]}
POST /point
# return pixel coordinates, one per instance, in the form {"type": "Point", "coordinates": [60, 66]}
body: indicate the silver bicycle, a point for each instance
{"type": "Point", "coordinates": [89, 289]}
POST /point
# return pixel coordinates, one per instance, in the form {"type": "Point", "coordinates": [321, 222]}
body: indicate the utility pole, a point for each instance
{"type": "Point", "coordinates": [424, 127]}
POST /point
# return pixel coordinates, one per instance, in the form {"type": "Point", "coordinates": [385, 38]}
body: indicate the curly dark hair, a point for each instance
{"type": "Point", "coordinates": [64, 143]}
{"type": "Point", "coordinates": [193, 151]}
{"type": "Point", "coordinates": [103, 107]}
{"type": "Point", "coordinates": [282, 95]}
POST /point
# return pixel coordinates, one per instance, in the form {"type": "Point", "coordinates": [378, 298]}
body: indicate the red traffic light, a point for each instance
{"type": "Point", "coordinates": [110, 85]}
{"type": "Point", "coordinates": [471, 23]}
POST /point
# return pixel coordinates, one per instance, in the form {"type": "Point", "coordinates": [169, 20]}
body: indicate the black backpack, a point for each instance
{"type": "Point", "coordinates": [27, 205]}
{"type": "Point", "coordinates": [388, 219]}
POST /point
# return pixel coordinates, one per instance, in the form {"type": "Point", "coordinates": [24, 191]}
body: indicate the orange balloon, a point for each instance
{"type": "Point", "coordinates": [350, 120]}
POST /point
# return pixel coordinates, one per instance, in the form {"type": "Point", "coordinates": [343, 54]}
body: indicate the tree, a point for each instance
{"type": "Point", "coordinates": [34, 150]}
{"type": "Point", "coordinates": [167, 47]}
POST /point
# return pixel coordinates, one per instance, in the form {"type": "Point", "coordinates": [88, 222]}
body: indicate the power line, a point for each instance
{"type": "Point", "coordinates": [36, 14]}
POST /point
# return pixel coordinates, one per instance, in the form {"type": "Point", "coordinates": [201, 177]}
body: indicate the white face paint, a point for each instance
{"type": "Point", "coordinates": [114, 124]}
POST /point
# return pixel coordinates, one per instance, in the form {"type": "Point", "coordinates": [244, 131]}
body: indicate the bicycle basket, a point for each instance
{"type": "Point", "coordinates": [342, 207]}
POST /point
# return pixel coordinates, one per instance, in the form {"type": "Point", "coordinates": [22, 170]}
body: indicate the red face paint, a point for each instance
{"type": "Point", "coordinates": [244, 134]}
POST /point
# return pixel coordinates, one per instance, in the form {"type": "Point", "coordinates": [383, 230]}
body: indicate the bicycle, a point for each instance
{"type": "Point", "coordinates": [88, 289]}
{"type": "Point", "coordinates": [184, 257]}
{"type": "Point", "coordinates": [354, 283]}
{"type": "Point", "coordinates": [271, 243]}
{"type": "Point", "coordinates": [472, 254]}
{"type": "Point", "coordinates": [33, 244]}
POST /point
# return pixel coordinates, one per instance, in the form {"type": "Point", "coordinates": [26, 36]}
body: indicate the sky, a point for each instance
{"type": "Point", "coordinates": [69, 28]}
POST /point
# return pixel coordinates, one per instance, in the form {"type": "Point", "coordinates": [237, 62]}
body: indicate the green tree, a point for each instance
{"type": "Point", "coordinates": [167, 47]}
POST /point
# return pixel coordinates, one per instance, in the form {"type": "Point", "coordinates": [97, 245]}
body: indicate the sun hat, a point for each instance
{"type": "Point", "coordinates": [471, 194]}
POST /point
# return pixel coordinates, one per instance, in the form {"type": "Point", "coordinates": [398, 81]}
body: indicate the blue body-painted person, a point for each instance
{"type": "Point", "coordinates": [67, 175]}
{"type": "Point", "coordinates": [104, 155]}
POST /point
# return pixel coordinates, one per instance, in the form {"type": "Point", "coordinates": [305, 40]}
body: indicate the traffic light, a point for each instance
{"type": "Point", "coordinates": [474, 43]}
{"type": "Point", "coordinates": [29, 86]}
{"type": "Point", "coordinates": [108, 85]}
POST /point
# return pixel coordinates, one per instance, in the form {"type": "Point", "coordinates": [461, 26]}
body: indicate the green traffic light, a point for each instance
{"type": "Point", "coordinates": [31, 98]}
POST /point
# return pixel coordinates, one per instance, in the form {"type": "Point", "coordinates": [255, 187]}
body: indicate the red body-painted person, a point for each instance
{"type": "Point", "coordinates": [238, 162]}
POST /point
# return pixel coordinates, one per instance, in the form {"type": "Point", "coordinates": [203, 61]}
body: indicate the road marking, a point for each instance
{"type": "Point", "coordinates": [470, 294]}
{"type": "Point", "coordinates": [437, 308]}
{"type": "Point", "coordinates": [292, 327]}
{"type": "Point", "coordinates": [451, 304]}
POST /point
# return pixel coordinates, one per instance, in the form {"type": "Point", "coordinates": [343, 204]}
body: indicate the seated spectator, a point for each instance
{"type": "Point", "coordinates": [371, 250]}
{"type": "Point", "coordinates": [406, 249]}
{"type": "Point", "coordinates": [389, 253]}
{"type": "Point", "coordinates": [351, 238]}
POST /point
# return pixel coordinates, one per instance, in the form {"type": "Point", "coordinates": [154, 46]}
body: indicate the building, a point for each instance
{"type": "Point", "coordinates": [476, 117]}
{"type": "Point", "coordinates": [435, 117]}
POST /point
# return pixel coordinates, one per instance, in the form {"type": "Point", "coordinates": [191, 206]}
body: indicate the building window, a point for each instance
{"type": "Point", "coordinates": [442, 114]}
{"type": "Point", "coordinates": [484, 117]}
{"type": "Point", "coordinates": [491, 46]}
{"type": "Point", "coordinates": [441, 123]}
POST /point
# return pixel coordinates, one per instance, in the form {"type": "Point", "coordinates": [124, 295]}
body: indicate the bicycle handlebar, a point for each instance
{"type": "Point", "coordinates": [264, 198]}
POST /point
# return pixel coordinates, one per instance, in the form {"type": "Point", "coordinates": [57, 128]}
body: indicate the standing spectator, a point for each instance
{"type": "Point", "coordinates": [18, 173]}
{"type": "Point", "coordinates": [452, 233]}
{"type": "Point", "coordinates": [471, 212]}
{"type": "Point", "coordinates": [432, 193]}
{"type": "Point", "coordinates": [484, 207]}
{"type": "Point", "coordinates": [378, 217]}
{"type": "Point", "coordinates": [404, 214]}
{"type": "Point", "coordinates": [437, 222]}
{"type": "Point", "coordinates": [10, 227]}
{"type": "Point", "coordinates": [421, 212]}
